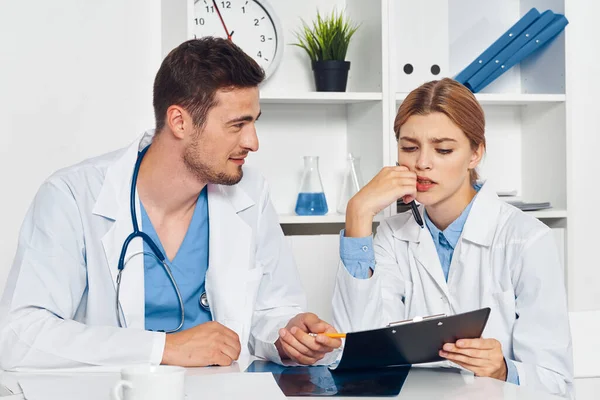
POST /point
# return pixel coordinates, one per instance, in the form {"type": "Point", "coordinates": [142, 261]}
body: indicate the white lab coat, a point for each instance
{"type": "Point", "coordinates": [505, 260]}
{"type": "Point", "coordinates": [58, 309]}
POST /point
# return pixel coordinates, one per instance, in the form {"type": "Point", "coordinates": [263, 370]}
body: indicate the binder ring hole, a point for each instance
{"type": "Point", "coordinates": [440, 323]}
{"type": "Point", "coordinates": [408, 69]}
{"type": "Point", "coordinates": [435, 69]}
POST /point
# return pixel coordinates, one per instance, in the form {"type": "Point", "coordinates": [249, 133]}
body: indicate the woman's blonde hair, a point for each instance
{"type": "Point", "coordinates": [452, 99]}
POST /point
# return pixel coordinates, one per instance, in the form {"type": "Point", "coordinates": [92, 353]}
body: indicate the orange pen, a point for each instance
{"type": "Point", "coordinates": [331, 335]}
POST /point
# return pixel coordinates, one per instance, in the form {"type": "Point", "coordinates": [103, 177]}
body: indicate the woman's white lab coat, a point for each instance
{"type": "Point", "coordinates": [505, 260]}
{"type": "Point", "coordinates": [58, 309]}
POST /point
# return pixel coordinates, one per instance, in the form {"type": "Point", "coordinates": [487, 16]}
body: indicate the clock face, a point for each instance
{"type": "Point", "coordinates": [250, 24]}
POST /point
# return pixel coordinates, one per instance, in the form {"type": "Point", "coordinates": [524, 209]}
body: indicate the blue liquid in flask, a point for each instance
{"type": "Point", "coordinates": [311, 204]}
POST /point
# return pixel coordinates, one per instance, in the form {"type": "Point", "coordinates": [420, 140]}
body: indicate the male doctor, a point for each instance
{"type": "Point", "coordinates": [226, 263]}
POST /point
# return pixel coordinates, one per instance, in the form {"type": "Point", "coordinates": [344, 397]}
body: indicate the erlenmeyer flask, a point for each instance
{"type": "Point", "coordinates": [352, 182]}
{"type": "Point", "coordinates": [311, 196]}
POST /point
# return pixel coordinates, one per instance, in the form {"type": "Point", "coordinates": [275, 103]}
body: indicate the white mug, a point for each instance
{"type": "Point", "coordinates": [158, 382]}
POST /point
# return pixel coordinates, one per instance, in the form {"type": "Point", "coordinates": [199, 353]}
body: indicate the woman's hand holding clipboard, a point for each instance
{"type": "Point", "coordinates": [414, 341]}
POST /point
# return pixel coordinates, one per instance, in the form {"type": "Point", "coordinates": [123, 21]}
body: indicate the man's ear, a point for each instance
{"type": "Point", "coordinates": [177, 121]}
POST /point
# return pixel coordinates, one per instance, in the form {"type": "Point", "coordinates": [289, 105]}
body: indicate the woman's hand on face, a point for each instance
{"type": "Point", "coordinates": [484, 357]}
{"type": "Point", "coordinates": [389, 185]}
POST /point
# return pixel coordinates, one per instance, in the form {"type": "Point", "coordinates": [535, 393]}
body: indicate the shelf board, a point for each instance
{"type": "Point", "coordinates": [509, 99]}
{"type": "Point", "coordinates": [551, 213]}
{"type": "Point", "coordinates": [319, 97]}
{"type": "Point", "coordinates": [332, 218]}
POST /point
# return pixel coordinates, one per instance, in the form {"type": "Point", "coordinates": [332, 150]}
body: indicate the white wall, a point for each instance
{"type": "Point", "coordinates": [75, 81]}
{"type": "Point", "coordinates": [583, 90]}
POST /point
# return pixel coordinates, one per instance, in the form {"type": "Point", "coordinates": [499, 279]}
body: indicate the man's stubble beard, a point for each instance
{"type": "Point", "coordinates": [203, 172]}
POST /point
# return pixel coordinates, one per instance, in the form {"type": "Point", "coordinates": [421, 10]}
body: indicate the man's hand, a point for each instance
{"type": "Point", "coordinates": [296, 344]}
{"type": "Point", "coordinates": [206, 344]}
{"type": "Point", "coordinates": [482, 356]}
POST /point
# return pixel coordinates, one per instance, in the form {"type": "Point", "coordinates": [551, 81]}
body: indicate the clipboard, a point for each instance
{"type": "Point", "coordinates": [409, 343]}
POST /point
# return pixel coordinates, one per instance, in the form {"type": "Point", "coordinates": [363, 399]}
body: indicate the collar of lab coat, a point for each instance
{"type": "Point", "coordinates": [114, 195]}
{"type": "Point", "coordinates": [479, 227]}
{"type": "Point", "coordinates": [224, 203]}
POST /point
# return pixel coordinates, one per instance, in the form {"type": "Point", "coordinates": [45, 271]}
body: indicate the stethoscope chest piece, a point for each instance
{"type": "Point", "coordinates": [204, 301]}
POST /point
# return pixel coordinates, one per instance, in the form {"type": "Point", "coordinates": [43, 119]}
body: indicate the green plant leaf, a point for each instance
{"type": "Point", "coordinates": [328, 38]}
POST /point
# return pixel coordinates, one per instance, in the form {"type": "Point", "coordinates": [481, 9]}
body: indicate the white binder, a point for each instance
{"type": "Point", "coordinates": [420, 38]}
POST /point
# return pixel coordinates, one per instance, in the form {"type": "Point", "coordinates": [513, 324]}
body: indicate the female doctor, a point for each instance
{"type": "Point", "coordinates": [474, 250]}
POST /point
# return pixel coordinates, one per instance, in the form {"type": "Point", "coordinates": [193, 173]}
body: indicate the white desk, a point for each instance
{"type": "Point", "coordinates": [421, 383]}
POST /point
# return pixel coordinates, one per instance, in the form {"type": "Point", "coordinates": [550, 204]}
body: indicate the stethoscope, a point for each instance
{"type": "Point", "coordinates": [156, 253]}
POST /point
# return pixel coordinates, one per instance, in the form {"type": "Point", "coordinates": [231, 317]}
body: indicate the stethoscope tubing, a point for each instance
{"type": "Point", "coordinates": [156, 253]}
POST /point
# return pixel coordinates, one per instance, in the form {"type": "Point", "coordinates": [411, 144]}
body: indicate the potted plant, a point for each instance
{"type": "Point", "coordinates": [326, 43]}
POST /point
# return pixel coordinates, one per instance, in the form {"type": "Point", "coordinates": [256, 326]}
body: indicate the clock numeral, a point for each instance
{"type": "Point", "coordinates": [244, 10]}
{"type": "Point", "coordinates": [199, 21]}
{"type": "Point", "coordinates": [262, 38]}
{"type": "Point", "coordinates": [255, 22]}
{"type": "Point", "coordinates": [226, 4]}
{"type": "Point", "coordinates": [259, 54]}
{"type": "Point", "coordinates": [210, 9]}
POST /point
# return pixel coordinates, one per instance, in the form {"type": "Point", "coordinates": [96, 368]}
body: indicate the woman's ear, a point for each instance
{"type": "Point", "coordinates": [476, 156]}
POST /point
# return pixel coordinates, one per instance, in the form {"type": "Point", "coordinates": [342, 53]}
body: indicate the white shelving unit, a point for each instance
{"type": "Point", "coordinates": [508, 99]}
{"type": "Point", "coordinates": [331, 218]}
{"type": "Point", "coordinates": [525, 108]}
{"type": "Point", "coordinates": [548, 214]}
{"type": "Point", "coordinates": [526, 130]}
{"type": "Point", "coordinates": [319, 98]}
{"type": "Point", "coordinates": [336, 218]}
{"type": "Point", "coordinates": [296, 121]}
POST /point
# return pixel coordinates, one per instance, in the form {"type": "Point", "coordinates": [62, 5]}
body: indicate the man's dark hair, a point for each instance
{"type": "Point", "coordinates": [193, 72]}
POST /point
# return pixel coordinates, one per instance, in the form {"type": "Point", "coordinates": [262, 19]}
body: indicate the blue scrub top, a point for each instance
{"type": "Point", "coordinates": [189, 271]}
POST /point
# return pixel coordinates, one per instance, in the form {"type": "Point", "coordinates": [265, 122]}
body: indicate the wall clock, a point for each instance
{"type": "Point", "coordinates": [250, 24]}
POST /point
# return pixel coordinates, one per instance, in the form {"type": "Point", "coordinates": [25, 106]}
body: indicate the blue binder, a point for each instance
{"type": "Point", "coordinates": [498, 45]}
{"type": "Point", "coordinates": [543, 38]}
{"type": "Point", "coordinates": [528, 34]}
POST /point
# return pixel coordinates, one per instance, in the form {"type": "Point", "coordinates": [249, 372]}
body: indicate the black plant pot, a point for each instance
{"type": "Point", "coordinates": [331, 76]}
